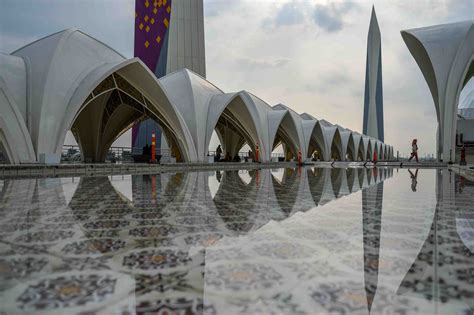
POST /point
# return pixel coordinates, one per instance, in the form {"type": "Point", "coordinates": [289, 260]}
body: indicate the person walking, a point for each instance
{"type": "Point", "coordinates": [414, 150]}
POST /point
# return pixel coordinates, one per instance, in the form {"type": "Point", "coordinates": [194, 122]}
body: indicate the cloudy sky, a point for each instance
{"type": "Point", "coordinates": [306, 54]}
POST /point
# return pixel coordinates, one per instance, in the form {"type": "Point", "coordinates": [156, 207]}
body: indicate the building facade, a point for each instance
{"type": "Point", "coordinates": [71, 81]}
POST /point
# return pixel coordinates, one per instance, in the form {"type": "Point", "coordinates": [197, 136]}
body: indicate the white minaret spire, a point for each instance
{"type": "Point", "coordinates": [373, 98]}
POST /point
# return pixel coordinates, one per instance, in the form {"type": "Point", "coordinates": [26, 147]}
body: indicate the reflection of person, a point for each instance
{"type": "Point", "coordinates": [414, 150]}
{"type": "Point", "coordinates": [218, 152]}
{"type": "Point", "coordinates": [218, 176]}
{"type": "Point", "coordinates": [414, 181]}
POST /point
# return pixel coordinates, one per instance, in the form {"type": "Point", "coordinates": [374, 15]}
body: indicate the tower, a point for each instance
{"type": "Point", "coordinates": [373, 96]}
{"type": "Point", "coordinates": [169, 35]}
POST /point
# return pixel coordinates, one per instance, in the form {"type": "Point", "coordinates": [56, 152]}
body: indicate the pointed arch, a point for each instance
{"type": "Point", "coordinates": [286, 134]}
{"type": "Point", "coordinates": [236, 115]}
{"type": "Point", "coordinates": [317, 143]}
{"type": "Point", "coordinates": [116, 103]}
{"type": "Point", "coordinates": [337, 150]}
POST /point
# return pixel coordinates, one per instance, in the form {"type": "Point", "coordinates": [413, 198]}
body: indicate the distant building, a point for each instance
{"type": "Point", "coordinates": [373, 97]}
{"type": "Point", "coordinates": [169, 35]}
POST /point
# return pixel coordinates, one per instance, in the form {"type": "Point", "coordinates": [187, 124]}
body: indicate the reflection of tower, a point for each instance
{"type": "Point", "coordinates": [445, 262]}
{"type": "Point", "coordinates": [373, 98]}
{"type": "Point", "coordinates": [372, 199]}
{"type": "Point", "coordinates": [169, 35]}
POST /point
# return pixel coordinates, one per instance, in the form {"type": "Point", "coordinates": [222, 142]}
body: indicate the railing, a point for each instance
{"type": "Point", "coordinates": [72, 154]}
{"type": "Point", "coordinates": [245, 154]}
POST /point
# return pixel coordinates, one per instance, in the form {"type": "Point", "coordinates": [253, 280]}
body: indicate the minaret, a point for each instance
{"type": "Point", "coordinates": [169, 36]}
{"type": "Point", "coordinates": [373, 98]}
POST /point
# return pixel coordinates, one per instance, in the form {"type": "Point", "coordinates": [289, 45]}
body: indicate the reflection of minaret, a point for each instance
{"type": "Point", "coordinates": [373, 98]}
{"type": "Point", "coordinates": [372, 198]}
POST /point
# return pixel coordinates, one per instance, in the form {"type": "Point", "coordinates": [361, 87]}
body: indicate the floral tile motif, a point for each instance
{"type": "Point", "coordinates": [29, 249]}
{"type": "Point", "coordinates": [153, 231]}
{"type": "Point", "coordinates": [7, 228]}
{"type": "Point", "coordinates": [69, 218]}
{"type": "Point", "coordinates": [21, 267]}
{"type": "Point", "coordinates": [179, 306]}
{"type": "Point", "coordinates": [230, 254]}
{"type": "Point", "coordinates": [87, 263]}
{"type": "Point", "coordinates": [44, 236]}
{"type": "Point", "coordinates": [153, 242]}
{"type": "Point", "coordinates": [156, 259]}
{"type": "Point", "coordinates": [281, 303]}
{"type": "Point", "coordinates": [161, 282]}
{"type": "Point", "coordinates": [108, 224]}
{"type": "Point", "coordinates": [347, 298]}
{"type": "Point", "coordinates": [246, 276]}
{"type": "Point", "coordinates": [94, 246]}
{"type": "Point", "coordinates": [242, 250]}
{"type": "Point", "coordinates": [101, 234]}
{"type": "Point", "coordinates": [148, 215]}
{"type": "Point", "coordinates": [63, 292]}
{"type": "Point", "coordinates": [283, 250]}
{"type": "Point", "coordinates": [205, 240]}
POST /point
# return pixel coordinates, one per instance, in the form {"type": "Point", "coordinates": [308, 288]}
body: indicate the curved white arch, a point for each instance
{"type": "Point", "coordinates": [245, 110]}
{"type": "Point", "coordinates": [46, 85]}
{"type": "Point", "coordinates": [191, 94]}
{"type": "Point", "coordinates": [444, 54]}
{"type": "Point", "coordinates": [297, 126]}
{"type": "Point", "coordinates": [318, 135]}
{"type": "Point", "coordinates": [356, 141]}
{"type": "Point", "coordinates": [16, 139]}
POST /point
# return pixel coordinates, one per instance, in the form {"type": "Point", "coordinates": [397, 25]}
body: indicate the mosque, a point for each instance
{"type": "Point", "coordinates": [70, 81]}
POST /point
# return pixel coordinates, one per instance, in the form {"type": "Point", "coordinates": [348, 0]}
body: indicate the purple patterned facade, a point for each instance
{"type": "Point", "coordinates": [152, 20]}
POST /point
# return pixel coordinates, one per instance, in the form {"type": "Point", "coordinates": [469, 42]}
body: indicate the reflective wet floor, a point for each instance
{"type": "Point", "coordinates": [284, 241]}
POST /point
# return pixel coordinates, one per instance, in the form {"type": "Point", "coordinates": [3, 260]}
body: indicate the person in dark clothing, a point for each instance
{"type": "Point", "coordinates": [236, 158]}
{"type": "Point", "coordinates": [218, 152]}
{"type": "Point", "coordinates": [227, 157]}
{"type": "Point", "coordinates": [146, 150]}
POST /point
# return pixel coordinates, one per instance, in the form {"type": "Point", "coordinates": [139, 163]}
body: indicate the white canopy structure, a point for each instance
{"type": "Point", "coordinates": [445, 55]}
{"type": "Point", "coordinates": [71, 81]}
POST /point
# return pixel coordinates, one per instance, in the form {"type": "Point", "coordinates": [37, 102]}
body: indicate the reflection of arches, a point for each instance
{"type": "Point", "coordinates": [446, 73]}
{"type": "Point", "coordinates": [317, 181]}
{"type": "Point", "coordinates": [338, 180]}
{"type": "Point", "coordinates": [233, 188]}
{"type": "Point", "coordinates": [286, 191]}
